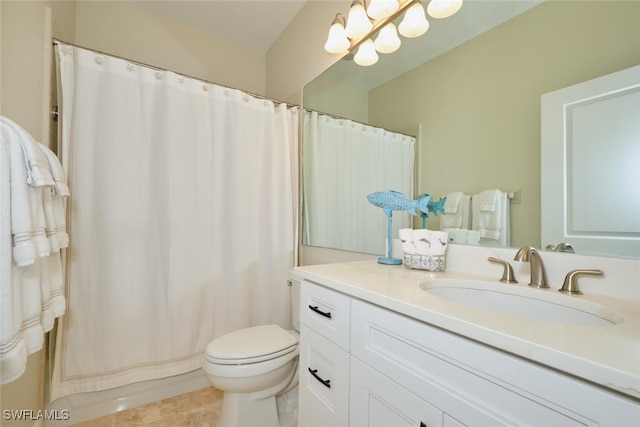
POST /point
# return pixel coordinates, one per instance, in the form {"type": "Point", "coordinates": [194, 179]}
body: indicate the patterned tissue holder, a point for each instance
{"type": "Point", "coordinates": [424, 262]}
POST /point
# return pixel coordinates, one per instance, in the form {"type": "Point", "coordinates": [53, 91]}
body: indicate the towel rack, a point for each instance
{"type": "Point", "coordinates": [513, 196]}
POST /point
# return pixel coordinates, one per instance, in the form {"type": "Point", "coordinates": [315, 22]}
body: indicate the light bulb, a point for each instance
{"type": "Point", "coordinates": [380, 9]}
{"type": "Point", "coordinates": [358, 24]}
{"type": "Point", "coordinates": [337, 41]}
{"type": "Point", "coordinates": [443, 8]}
{"type": "Point", "coordinates": [366, 54]}
{"type": "Point", "coordinates": [415, 22]}
{"type": "Point", "coordinates": [387, 40]}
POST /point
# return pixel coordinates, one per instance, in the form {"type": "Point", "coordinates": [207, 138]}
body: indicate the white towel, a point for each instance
{"type": "Point", "coordinates": [459, 219]}
{"type": "Point", "coordinates": [51, 227]}
{"type": "Point", "coordinates": [60, 221]}
{"type": "Point", "coordinates": [473, 237]}
{"type": "Point", "coordinates": [422, 241]}
{"type": "Point", "coordinates": [487, 200]}
{"type": "Point", "coordinates": [13, 353]}
{"type": "Point", "coordinates": [405, 235]}
{"type": "Point", "coordinates": [439, 243]}
{"type": "Point", "coordinates": [54, 206]}
{"type": "Point", "coordinates": [53, 302]}
{"type": "Point", "coordinates": [43, 230]}
{"type": "Point", "coordinates": [55, 168]}
{"type": "Point", "coordinates": [463, 236]}
{"type": "Point", "coordinates": [492, 225]}
{"type": "Point", "coordinates": [406, 239]}
{"type": "Point", "coordinates": [457, 235]}
{"type": "Point", "coordinates": [28, 278]}
{"type": "Point", "coordinates": [452, 203]}
{"type": "Point", "coordinates": [27, 216]}
{"type": "Point", "coordinates": [31, 222]}
{"type": "Point", "coordinates": [36, 163]}
{"type": "Point", "coordinates": [409, 248]}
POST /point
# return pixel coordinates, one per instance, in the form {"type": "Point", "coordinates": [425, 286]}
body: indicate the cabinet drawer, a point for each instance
{"type": "Point", "coordinates": [325, 311]}
{"type": "Point", "coordinates": [324, 377]}
{"type": "Point", "coordinates": [377, 401]}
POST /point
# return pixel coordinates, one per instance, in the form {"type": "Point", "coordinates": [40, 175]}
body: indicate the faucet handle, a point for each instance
{"type": "Point", "coordinates": [507, 274]}
{"type": "Point", "coordinates": [560, 247]}
{"type": "Point", "coordinates": [570, 284]}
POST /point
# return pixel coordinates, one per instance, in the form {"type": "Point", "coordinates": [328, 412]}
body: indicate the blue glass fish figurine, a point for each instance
{"type": "Point", "coordinates": [433, 207]}
{"type": "Point", "coordinates": [390, 200]}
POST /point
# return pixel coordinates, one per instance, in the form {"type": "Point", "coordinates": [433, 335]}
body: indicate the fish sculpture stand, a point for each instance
{"type": "Point", "coordinates": [433, 207]}
{"type": "Point", "coordinates": [390, 201]}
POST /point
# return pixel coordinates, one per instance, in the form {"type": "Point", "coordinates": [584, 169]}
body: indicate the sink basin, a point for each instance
{"type": "Point", "coordinates": [522, 302]}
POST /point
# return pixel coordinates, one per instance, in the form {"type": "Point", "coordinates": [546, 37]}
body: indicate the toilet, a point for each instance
{"type": "Point", "coordinates": [254, 366]}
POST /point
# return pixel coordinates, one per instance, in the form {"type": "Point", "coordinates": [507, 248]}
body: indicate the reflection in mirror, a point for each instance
{"type": "Point", "coordinates": [475, 108]}
{"type": "Point", "coordinates": [344, 162]}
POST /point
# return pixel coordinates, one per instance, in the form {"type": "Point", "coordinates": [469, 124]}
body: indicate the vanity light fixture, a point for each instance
{"type": "Point", "coordinates": [358, 23]}
{"type": "Point", "coordinates": [363, 23]}
{"type": "Point", "coordinates": [366, 54]}
{"type": "Point", "coordinates": [380, 9]}
{"type": "Point", "coordinates": [337, 42]}
{"type": "Point", "coordinates": [414, 23]}
{"type": "Point", "coordinates": [443, 8]}
{"type": "Point", "coordinates": [387, 40]}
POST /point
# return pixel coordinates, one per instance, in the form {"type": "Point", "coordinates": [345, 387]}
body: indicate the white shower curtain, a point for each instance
{"type": "Point", "coordinates": [181, 220]}
{"type": "Point", "coordinates": [344, 161]}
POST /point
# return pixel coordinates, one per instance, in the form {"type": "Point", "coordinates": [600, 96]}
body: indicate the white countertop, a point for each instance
{"type": "Point", "coordinates": [606, 355]}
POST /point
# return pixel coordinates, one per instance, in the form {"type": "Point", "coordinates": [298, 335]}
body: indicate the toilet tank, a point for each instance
{"type": "Point", "coordinates": [294, 291]}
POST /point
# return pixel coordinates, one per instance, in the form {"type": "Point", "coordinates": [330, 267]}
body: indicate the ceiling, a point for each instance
{"type": "Point", "coordinates": [253, 23]}
{"type": "Point", "coordinates": [259, 23]}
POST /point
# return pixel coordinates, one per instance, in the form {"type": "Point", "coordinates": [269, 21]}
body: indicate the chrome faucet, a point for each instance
{"type": "Point", "coordinates": [532, 256]}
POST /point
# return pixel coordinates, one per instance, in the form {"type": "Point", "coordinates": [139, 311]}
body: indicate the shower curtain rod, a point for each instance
{"type": "Point", "coordinates": [333, 116]}
{"type": "Point", "coordinates": [56, 41]}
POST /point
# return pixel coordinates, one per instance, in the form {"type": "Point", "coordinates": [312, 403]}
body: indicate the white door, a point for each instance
{"type": "Point", "coordinates": [591, 165]}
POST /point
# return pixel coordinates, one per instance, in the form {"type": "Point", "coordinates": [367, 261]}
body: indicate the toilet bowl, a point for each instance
{"type": "Point", "coordinates": [253, 366]}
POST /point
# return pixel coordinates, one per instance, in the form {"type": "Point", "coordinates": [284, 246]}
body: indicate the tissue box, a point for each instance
{"type": "Point", "coordinates": [424, 262]}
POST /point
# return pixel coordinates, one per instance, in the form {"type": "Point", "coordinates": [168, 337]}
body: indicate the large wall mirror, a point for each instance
{"type": "Point", "coordinates": [470, 91]}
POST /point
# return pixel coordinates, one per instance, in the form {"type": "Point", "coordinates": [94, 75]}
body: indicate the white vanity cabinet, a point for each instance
{"type": "Point", "coordinates": [404, 372]}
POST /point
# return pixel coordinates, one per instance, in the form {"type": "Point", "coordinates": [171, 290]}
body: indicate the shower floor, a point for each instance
{"type": "Point", "coordinates": [197, 408]}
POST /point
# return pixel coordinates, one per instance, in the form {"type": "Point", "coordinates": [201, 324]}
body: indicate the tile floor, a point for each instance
{"type": "Point", "coordinates": [198, 408]}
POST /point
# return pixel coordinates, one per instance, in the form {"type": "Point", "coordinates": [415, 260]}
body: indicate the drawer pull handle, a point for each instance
{"type": "Point", "coordinates": [320, 312]}
{"type": "Point", "coordinates": [326, 383]}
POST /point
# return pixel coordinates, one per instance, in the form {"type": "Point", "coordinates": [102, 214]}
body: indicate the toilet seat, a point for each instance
{"type": "Point", "coordinates": [250, 345]}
